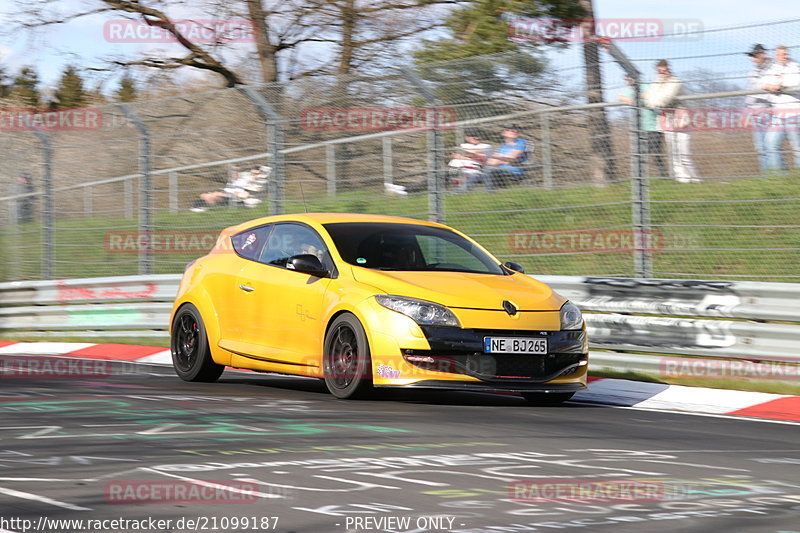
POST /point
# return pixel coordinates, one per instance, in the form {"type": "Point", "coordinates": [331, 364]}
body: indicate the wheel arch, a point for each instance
{"type": "Point", "coordinates": [200, 299]}
{"type": "Point", "coordinates": [351, 311]}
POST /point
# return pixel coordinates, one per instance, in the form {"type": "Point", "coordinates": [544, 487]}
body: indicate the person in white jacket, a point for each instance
{"type": "Point", "coordinates": [782, 74]}
{"type": "Point", "coordinates": [674, 121]}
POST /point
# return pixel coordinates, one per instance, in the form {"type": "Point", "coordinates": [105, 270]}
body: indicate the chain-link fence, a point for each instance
{"type": "Point", "coordinates": [145, 188]}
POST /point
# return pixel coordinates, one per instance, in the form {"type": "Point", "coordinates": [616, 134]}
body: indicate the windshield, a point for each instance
{"type": "Point", "coordinates": [389, 246]}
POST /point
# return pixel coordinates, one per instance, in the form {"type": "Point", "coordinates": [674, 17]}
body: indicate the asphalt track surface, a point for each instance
{"type": "Point", "coordinates": [270, 453]}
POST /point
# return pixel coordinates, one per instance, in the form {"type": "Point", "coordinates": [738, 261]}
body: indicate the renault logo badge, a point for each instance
{"type": "Point", "coordinates": [510, 308]}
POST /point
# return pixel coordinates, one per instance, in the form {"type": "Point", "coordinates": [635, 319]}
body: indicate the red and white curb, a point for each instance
{"type": "Point", "coordinates": [112, 352]}
{"type": "Point", "coordinates": [663, 397]}
{"type": "Point", "coordinates": [616, 392]}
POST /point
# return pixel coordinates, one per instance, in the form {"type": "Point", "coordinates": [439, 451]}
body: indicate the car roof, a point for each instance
{"type": "Point", "coordinates": [329, 218]}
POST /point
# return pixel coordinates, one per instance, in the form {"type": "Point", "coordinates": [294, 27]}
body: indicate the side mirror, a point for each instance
{"type": "Point", "coordinates": [308, 264]}
{"type": "Point", "coordinates": [516, 267]}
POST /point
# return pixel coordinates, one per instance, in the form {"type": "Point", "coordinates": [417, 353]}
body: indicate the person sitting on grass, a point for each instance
{"type": "Point", "coordinates": [239, 189]}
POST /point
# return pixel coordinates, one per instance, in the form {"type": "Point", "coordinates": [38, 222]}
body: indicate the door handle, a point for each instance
{"type": "Point", "coordinates": [246, 288]}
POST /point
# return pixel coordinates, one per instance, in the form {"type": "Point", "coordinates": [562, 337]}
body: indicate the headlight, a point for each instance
{"type": "Point", "coordinates": [422, 312]}
{"type": "Point", "coordinates": [571, 317]}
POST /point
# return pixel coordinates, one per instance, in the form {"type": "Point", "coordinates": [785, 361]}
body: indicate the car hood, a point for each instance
{"type": "Point", "coordinates": [464, 290]}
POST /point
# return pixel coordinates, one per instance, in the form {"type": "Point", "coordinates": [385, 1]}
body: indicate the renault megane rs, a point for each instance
{"type": "Point", "coordinates": [366, 301]}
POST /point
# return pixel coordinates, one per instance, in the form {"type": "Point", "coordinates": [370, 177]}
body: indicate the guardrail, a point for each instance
{"type": "Point", "coordinates": [746, 321]}
{"type": "Point", "coordinates": [133, 306]}
{"type": "Point", "coordinates": [743, 320]}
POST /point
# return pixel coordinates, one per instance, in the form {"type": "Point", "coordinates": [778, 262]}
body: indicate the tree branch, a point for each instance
{"type": "Point", "coordinates": [198, 57]}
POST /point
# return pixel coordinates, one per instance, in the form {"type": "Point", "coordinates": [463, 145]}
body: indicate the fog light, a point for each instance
{"type": "Point", "coordinates": [419, 358]}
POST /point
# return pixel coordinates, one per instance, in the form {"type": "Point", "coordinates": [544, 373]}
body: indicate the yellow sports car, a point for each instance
{"type": "Point", "coordinates": [366, 301]}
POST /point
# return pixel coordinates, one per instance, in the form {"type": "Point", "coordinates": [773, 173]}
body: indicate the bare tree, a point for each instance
{"type": "Point", "coordinates": [366, 30]}
{"type": "Point", "coordinates": [342, 35]}
{"type": "Point", "coordinates": [39, 14]}
{"type": "Point", "coordinates": [598, 121]}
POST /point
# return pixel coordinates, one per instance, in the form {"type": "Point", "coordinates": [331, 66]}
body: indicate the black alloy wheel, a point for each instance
{"type": "Point", "coordinates": [346, 360]}
{"type": "Point", "coordinates": [191, 356]}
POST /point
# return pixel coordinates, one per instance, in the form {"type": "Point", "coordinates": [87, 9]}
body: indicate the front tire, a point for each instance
{"type": "Point", "coordinates": [547, 399]}
{"type": "Point", "coordinates": [346, 359]}
{"type": "Point", "coordinates": [191, 355]}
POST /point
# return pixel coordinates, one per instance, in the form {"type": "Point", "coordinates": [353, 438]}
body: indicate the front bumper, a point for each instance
{"type": "Point", "coordinates": [460, 351]}
{"type": "Point", "coordinates": [482, 386]}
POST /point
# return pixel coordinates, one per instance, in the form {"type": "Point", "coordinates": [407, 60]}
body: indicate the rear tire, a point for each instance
{"type": "Point", "coordinates": [346, 359]}
{"type": "Point", "coordinates": [191, 355]}
{"type": "Point", "coordinates": [547, 399]}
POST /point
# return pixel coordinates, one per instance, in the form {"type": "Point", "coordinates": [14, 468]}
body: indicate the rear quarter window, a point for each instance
{"type": "Point", "coordinates": [248, 243]}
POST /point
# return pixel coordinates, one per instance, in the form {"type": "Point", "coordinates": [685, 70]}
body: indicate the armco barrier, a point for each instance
{"type": "Point", "coordinates": [681, 297]}
{"type": "Point", "coordinates": [722, 319]}
{"type": "Point", "coordinates": [155, 288]}
{"type": "Point", "coordinates": [741, 320]}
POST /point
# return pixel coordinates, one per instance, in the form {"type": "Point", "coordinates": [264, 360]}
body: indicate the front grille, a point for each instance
{"type": "Point", "coordinates": [519, 366]}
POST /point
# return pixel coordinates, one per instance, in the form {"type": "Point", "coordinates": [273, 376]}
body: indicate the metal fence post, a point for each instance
{"type": "Point", "coordinates": [173, 192]}
{"type": "Point", "coordinates": [275, 131]}
{"type": "Point", "coordinates": [640, 194]}
{"type": "Point", "coordinates": [643, 261]}
{"type": "Point", "coordinates": [145, 190]}
{"type": "Point", "coordinates": [87, 201]}
{"type": "Point", "coordinates": [330, 168]}
{"type": "Point", "coordinates": [458, 130]}
{"type": "Point", "coordinates": [547, 155]}
{"type": "Point", "coordinates": [7, 233]}
{"type": "Point", "coordinates": [388, 174]}
{"type": "Point", "coordinates": [13, 217]}
{"type": "Point", "coordinates": [48, 214]}
{"type": "Point", "coordinates": [127, 194]}
{"type": "Point", "coordinates": [436, 169]}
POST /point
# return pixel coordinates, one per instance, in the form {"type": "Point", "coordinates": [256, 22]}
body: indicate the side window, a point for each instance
{"type": "Point", "coordinates": [287, 240]}
{"type": "Point", "coordinates": [249, 243]}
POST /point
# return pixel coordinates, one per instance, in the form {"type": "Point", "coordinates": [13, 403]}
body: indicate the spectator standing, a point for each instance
{"type": "Point", "coordinates": [25, 204]}
{"type": "Point", "coordinates": [662, 95]}
{"type": "Point", "coordinates": [782, 74]}
{"type": "Point", "coordinates": [648, 125]}
{"type": "Point", "coordinates": [761, 119]}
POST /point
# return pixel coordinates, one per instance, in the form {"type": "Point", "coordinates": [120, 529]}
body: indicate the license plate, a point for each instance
{"type": "Point", "coordinates": [514, 345]}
